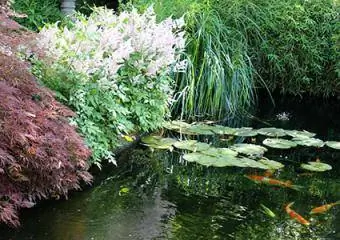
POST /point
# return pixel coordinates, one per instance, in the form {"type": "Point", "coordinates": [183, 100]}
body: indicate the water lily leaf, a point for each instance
{"type": "Point", "coordinates": [247, 162]}
{"type": "Point", "coordinates": [309, 142]}
{"type": "Point", "coordinates": [272, 132]}
{"type": "Point", "coordinates": [279, 143]}
{"type": "Point", "coordinates": [219, 152]}
{"type": "Point", "coordinates": [299, 134]}
{"type": "Point", "coordinates": [248, 149]}
{"type": "Point", "coordinates": [224, 161]}
{"type": "Point", "coordinates": [157, 142]}
{"type": "Point", "coordinates": [245, 132]}
{"type": "Point", "coordinates": [206, 160]}
{"type": "Point", "coordinates": [333, 144]}
{"type": "Point", "coordinates": [316, 166]}
{"type": "Point", "coordinates": [201, 129]}
{"type": "Point", "coordinates": [176, 125]}
{"type": "Point", "coordinates": [271, 164]}
{"type": "Point", "coordinates": [192, 145]}
{"type": "Point", "coordinates": [218, 129]}
{"type": "Point", "coordinates": [151, 139]}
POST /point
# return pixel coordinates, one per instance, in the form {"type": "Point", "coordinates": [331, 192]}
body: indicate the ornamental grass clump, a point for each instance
{"type": "Point", "coordinates": [113, 70]}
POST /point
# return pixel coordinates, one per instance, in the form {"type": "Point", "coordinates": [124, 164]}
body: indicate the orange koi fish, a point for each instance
{"type": "Point", "coordinates": [294, 215]}
{"type": "Point", "coordinates": [272, 181]}
{"type": "Point", "coordinates": [324, 208]}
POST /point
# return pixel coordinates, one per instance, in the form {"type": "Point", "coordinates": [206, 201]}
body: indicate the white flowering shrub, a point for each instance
{"type": "Point", "coordinates": [113, 70]}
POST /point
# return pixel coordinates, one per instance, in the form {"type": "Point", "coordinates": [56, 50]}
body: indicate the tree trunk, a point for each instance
{"type": "Point", "coordinates": [67, 6]}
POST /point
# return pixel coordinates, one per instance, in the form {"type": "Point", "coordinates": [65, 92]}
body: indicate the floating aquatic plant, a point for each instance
{"type": "Point", "coordinates": [157, 142]}
{"type": "Point", "coordinates": [245, 132]}
{"type": "Point", "coordinates": [333, 144]}
{"type": "Point", "coordinates": [299, 134]}
{"type": "Point", "coordinates": [271, 163]}
{"type": "Point", "coordinates": [272, 132]}
{"type": "Point", "coordinates": [316, 166]}
{"type": "Point", "coordinates": [248, 149]}
{"type": "Point", "coordinates": [308, 141]}
{"type": "Point", "coordinates": [192, 145]}
{"type": "Point", "coordinates": [279, 143]}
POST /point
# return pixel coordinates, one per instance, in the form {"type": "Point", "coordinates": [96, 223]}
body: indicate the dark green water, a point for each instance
{"type": "Point", "coordinates": [156, 195]}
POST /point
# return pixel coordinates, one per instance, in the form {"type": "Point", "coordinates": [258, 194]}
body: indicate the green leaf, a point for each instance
{"type": "Point", "coordinates": [176, 125]}
{"type": "Point", "coordinates": [192, 145]}
{"type": "Point", "coordinates": [248, 149]}
{"type": "Point", "coordinates": [279, 143]}
{"type": "Point", "coordinates": [216, 152]}
{"type": "Point", "coordinates": [333, 144]}
{"type": "Point", "coordinates": [309, 142]}
{"type": "Point", "coordinates": [201, 129]}
{"type": "Point", "coordinates": [158, 142]}
{"type": "Point", "coordinates": [316, 166]}
{"type": "Point", "coordinates": [299, 134]}
{"type": "Point", "coordinates": [245, 132]}
{"type": "Point", "coordinates": [271, 164]}
{"type": "Point", "coordinates": [272, 132]}
{"type": "Point", "coordinates": [223, 130]}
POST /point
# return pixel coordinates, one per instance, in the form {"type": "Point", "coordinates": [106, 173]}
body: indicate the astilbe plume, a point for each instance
{"type": "Point", "coordinates": [41, 155]}
{"type": "Point", "coordinates": [104, 41]}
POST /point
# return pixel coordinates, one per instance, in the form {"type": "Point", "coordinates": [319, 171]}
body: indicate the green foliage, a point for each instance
{"type": "Point", "coordinates": [293, 44]}
{"type": "Point", "coordinates": [39, 12]}
{"type": "Point", "coordinates": [116, 81]}
{"type": "Point", "coordinates": [235, 46]}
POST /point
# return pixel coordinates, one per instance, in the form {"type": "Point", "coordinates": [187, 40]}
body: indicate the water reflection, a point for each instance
{"type": "Point", "coordinates": [167, 198]}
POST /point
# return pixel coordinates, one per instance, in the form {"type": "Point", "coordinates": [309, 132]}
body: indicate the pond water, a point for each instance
{"type": "Point", "coordinates": [157, 195]}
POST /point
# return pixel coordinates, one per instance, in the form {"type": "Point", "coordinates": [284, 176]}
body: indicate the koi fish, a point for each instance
{"type": "Point", "coordinates": [324, 208]}
{"type": "Point", "coordinates": [274, 182]}
{"type": "Point", "coordinates": [294, 215]}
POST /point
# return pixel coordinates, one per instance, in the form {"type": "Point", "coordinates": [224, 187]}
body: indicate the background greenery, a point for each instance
{"type": "Point", "coordinates": [236, 46]}
{"type": "Point", "coordinates": [39, 12]}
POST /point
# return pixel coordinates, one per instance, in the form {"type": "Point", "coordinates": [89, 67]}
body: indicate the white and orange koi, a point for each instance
{"type": "Point", "coordinates": [294, 215]}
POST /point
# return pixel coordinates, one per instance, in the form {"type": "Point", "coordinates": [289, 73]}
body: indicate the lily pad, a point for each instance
{"type": "Point", "coordinates": [245, 132]}
{"type": "Point", "coordinates": [316, 166]}
{"type": "Point", "coordinates": [158, 142]}
{"type": "Point", "coordinates": [219, 152]}
{"type": "Point", "coordinates": [192, 145]}
{"type": "Point", "coordinates": [309, 142]}
{"type": "Point", "coordinates": [248, 149]}
{"type": "Point", "coordinates": [218, 129]}
{"type": "Point", "coordinates": [279, 143]}
{"type": "Point", "coordinates": [224, 161]}
{"type": "Point", "coordinates": [206, 160]}
{"type": "Point", "coordinates": [201, 129]}
{"type": "Point", "coordinates": [272, 132]}
{"type": "Point", "coordinates": [247, 162]}
{"type": "Point", "coordinates": [271, 163]}
{"type": "Point", "coordinates": [176, 125]}
{"type": "Point", "coordinates": [299, 134]}
{"type": "Point", "coordinates": [333, 144]}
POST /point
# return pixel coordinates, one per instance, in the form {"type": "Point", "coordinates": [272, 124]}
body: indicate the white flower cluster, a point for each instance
{"type": "Point", "coordinates": [104, 41]}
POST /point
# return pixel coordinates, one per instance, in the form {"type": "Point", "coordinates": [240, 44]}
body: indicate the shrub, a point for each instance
{"type": "Point", "coordinates": [39, 12]}
{"type": "Point", "coordinates": [113, 70]}
{"type": "Point", "coordinates": [291, 43]}
{"type": "Point", "coordinates": [41, 155]}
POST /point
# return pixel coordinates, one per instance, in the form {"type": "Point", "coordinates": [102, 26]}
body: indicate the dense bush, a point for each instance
{"type": "Point", "coordinates": [114, 72]}
{"type": "Point", "coordinates": [39, 12]}
{"type": "Point", "coordinates": [292, 44]}
{"type": "Point", "coordinates": [41, 155]}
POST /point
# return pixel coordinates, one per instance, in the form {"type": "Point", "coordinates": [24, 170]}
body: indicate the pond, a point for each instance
{"type": "Point", "coordinates": [158, 195]}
